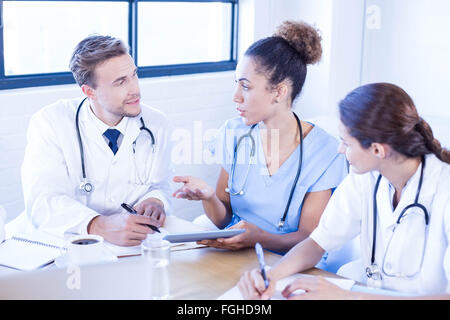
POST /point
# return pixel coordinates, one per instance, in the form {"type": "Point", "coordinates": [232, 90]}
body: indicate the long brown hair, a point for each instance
{"type": "Point", "coordinates": [385, 113]}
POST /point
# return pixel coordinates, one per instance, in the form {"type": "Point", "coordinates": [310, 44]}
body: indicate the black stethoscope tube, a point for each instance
{"type": "Point", "coordinates": [80, 142]}
{"type": "Point", "coordinates": [86, 186]}
{"type": "Point", "coordinates": [299, 170]}
{"type": "Point", "coordinates": [252, 153]}
{"type": "Point", "coordinates": [415, 204]}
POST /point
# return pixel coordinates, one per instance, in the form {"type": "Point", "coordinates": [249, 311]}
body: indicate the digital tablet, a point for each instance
{"type": "Point", "coordinates": [204, 235]}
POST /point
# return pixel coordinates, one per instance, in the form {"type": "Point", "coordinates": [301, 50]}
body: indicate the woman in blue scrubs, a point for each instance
{"type": "Point", "coordinates": [252, 192]}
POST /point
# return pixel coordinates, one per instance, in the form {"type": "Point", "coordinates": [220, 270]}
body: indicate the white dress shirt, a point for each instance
{"type": "Point", "coordinates": [51, 171]}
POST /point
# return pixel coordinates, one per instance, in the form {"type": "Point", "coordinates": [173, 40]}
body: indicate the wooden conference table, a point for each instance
{"type": "Point", "coordinates": [195, 274]}
{"type": "Point", "coordinates": [206, 273]}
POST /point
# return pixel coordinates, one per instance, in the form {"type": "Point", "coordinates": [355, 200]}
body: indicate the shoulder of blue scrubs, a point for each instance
{"type": "Point", "coordinates": [333, 165]}
{"type": "Point", "coordinates": [222, 146]}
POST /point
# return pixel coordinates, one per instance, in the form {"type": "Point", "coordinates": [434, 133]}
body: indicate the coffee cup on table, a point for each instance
{"type": "Point", "coordinates": [87, 249]}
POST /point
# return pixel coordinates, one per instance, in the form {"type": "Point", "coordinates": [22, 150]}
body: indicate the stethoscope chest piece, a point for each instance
{"type": "Point", "coordinates": [373, 276]}
{"type": "Point", "coordinates": [86, 187]}
{"type": "Point", "coordinates": [280, 225]}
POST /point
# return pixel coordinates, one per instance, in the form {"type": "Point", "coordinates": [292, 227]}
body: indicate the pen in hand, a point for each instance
{"type": "Point", "coordinates": [262, 265]}
{"type": "Point", "coordinates": [132, 211]}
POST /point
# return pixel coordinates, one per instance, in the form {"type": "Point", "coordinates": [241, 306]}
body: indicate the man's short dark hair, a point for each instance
{"type": "Point", "coordinates": [92, 51]}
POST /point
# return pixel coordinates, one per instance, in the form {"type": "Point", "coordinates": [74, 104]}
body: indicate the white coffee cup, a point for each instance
{"type": "Point", "coordinates": [86, 249]}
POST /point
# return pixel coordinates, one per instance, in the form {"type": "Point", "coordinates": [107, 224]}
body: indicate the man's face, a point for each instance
{"type": "Point", "coordinates": [117, 92]}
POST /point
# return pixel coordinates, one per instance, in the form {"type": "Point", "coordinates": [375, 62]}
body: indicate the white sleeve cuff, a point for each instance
{"type": "Point", "coordinates": [322, 239]}
{"type": "Point", "coordinates": [82, 227]}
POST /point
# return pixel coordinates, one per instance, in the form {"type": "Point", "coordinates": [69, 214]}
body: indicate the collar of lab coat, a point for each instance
{"type": "Point", "coordinates": [93, 128]}
{"type": "Point", "coordinates": [102, 127]}
{"type": "Point", "coordinates": [387, 218]}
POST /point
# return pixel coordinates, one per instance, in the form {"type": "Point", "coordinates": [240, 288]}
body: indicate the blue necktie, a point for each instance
{"type": "Point", "coordinates": [112, 135]}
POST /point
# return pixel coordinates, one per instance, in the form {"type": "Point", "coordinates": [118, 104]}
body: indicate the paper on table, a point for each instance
{"type": "Point", "coordinates": [235, 294]}
{"type": "Point", "coordinates": [172, 225]}
{"type": "Point", "coordinates": [30, 251]}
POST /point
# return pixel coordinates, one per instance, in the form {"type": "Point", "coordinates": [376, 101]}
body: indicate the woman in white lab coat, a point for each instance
{"type": "Point", "coordinates": [400, 180]}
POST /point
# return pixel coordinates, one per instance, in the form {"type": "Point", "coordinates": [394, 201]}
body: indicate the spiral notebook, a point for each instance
{"type": "Point", "coordinates": [30, 252]}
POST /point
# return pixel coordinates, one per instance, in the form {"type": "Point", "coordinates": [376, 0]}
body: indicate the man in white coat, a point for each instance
{"type": "Point", "coordinates": [85, 157]}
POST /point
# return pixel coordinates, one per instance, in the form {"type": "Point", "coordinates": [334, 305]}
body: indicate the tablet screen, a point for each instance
{"type": "Point", "coordinates": [204, 235]}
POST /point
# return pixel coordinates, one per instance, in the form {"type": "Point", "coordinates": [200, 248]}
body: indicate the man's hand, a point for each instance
{"type": "Point", "coordinates": [154, 209]}
{"type": "Point", "coordinates": [121, 229]}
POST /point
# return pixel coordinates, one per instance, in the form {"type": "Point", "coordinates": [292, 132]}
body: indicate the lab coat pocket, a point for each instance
{"type": "Point", "coordinates": [140, 174]}
{"type": "Point", "coordinates": [405, 249]}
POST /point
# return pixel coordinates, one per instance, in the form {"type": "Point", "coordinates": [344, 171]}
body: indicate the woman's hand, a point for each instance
{"type": "Point", "coordinates": [193, 189]}
{"type": "Point", "coordinates": [252, 287]}
{"type": "Point", "coordinates": [315, 288]}
{"type": "Point", "coordinates": [247, 239]}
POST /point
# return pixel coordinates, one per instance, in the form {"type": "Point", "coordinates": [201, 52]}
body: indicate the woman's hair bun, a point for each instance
{"type": "Point", "coordinates": [303, 38]}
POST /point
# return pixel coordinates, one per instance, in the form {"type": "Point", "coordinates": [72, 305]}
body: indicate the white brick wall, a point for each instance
{"type": "Point", "coordinates": [185, 99]}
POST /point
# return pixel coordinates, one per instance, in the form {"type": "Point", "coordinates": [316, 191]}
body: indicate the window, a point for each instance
{"type": "Point", "coordinates": [165, 37]}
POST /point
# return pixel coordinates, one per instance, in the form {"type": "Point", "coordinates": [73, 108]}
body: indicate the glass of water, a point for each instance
{"type": "Point", "coordinates": [157, 254]}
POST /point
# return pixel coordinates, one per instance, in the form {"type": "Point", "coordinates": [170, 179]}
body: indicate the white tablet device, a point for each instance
{"type": "Point", "coordinates": [204, 235]}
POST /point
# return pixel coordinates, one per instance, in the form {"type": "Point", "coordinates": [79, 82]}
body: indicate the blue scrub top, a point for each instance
{"type": "Point", "coordinates": [265, 197]}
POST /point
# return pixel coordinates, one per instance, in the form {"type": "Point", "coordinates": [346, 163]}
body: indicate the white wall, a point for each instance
{"type": "Point", "coordinates": [406, 42]}
{"type": "Point", "coordinates": [267, 15]}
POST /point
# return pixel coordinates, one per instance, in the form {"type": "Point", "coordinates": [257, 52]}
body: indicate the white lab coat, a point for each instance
{"type": "Point", "coordinates": [350, 213]}
{"type": "Point", "coordinates": [51, 171]}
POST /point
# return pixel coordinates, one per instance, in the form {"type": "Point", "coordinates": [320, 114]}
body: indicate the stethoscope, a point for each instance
{"type": "Point", "coordinates": [373, 272]}
{"type": "Point", "coordinates": [241, 192]}
{"type": "Point", "coordinates": [86, 186]}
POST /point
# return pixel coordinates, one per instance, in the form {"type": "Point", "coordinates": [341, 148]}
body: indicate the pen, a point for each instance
{"type": "Point", "coordinates": [262, 265]}
{"type": "Point", "coordinates": [132, 211]}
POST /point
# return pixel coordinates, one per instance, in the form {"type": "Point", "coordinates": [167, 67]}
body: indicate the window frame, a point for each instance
{"type": "Point", "coordinates": [59, 78]}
